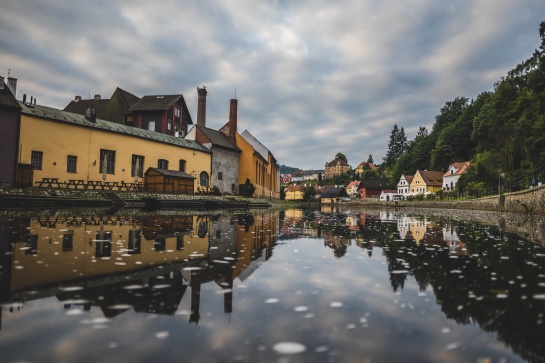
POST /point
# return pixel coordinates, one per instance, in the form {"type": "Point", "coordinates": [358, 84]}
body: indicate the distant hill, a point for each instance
{"type": "Point", "coordinates": [288, 169]}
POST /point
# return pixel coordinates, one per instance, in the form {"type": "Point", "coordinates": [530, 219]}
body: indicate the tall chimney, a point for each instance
{"type": "Point", "coordinates": [12, 85]}
{"type": "Point", "coordinates": [201, 109]}
{"type": "Point", "coordinates": [1, 82]}
{"type": "Point", "coordinates": [233, 120]}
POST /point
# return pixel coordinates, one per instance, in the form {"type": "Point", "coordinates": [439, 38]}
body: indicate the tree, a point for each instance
{"type": "Point", "coordinates": [320, 180]}
{"type": "Point", "coordinates": [397, 145]}
{"type": "Point", "coordinates": [247, 189]}
{"type": "Point", "coordinates": [342, 157]}
{"type": "Point", "coordinates": [370, 159]}
{"type": "Point", "coordinates": [309, 193]}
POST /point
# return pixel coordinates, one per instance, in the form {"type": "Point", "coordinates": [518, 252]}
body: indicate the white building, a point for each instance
{"type": "Point", "coordinates": [450, 178]}
{"type": "Point", "coordinates": [403, 187]}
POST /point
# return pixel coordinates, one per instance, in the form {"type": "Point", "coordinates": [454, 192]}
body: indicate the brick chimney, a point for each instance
{"type": "Point", "coordinates": [233, 120]}
{"type": "Point", "coordinates": [201, 108]}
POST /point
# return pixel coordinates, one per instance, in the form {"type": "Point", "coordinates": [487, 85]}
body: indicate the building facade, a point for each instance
{"type": "Point", "coordinates": [77, 148]}
{"type": "Point", "coordinates": [335, 168]}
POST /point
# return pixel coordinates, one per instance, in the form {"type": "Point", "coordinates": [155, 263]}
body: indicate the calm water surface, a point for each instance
{"type": "Point", "coordinates": [271, 286]}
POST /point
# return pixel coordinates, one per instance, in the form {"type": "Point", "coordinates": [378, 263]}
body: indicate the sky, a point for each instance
{"type": "Point", "coordinates": [312, 78]}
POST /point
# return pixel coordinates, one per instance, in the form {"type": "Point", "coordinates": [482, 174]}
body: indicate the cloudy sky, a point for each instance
{"type": "Point", "coordinates": [313, 78]}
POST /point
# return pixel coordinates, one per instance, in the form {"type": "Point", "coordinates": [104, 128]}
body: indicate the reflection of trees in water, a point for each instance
{"type": "Point", "coordinates": [498, 285]}
{"type": "Point", "coordinates": [246, 220]}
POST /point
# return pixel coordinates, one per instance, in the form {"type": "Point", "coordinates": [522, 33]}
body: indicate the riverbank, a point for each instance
{"type": "Point", "coordinates": [18, 198]}
{"type": "Point", "coordinates": [529, 202]}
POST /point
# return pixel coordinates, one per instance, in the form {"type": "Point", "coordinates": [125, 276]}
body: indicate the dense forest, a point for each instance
{"type": "Point", "coordinates": [500, 131]}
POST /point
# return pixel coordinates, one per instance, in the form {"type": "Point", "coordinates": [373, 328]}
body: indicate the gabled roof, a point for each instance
{"type": "Point", "coordinates": [337, 161]}
{"type": "Point", "coordinates": [334, 193]}
{"type": "Point", "coordinates": [294, 188]}
{"type": "Point", "coordinates": [373, 183]}
{"type": "Point", "coordinates": [432, 178]}
{"type": "Point", "coordinates": [459, 168]}
{"type": "Point", "coordinates": [352, 183]}
{"type": "Point", "coordinates": [7, 99]}
{"type": "Point", "coordinates": [112, 109]}
{"type": "Point", "coordinates": [81, 106]}
{"type": "Point", "coordinates": [371, 165]}
{"type": "Point", "coordinates": [409, 178]}
{"type": "Point", "coordinates": [175, 173]}
{"type": "Point", "coordinates": [217, 138]}
{"type": "Point", "coordinates": [108, 126]}
{"type": "Point", "coordinates": [120, 102]}
{"type": "Point", "coordinates": [155, 103]}
{"type": "Point", "coordinates": [258, 146]}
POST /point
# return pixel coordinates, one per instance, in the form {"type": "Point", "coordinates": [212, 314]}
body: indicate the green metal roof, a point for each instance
{"type": "Point", "coordinates": [80, 120]}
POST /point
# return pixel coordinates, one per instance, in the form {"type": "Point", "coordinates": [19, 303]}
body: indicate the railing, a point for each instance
{"type": "Point", "coordinates": [505, 185]}
{"type": "Point", "coordinates": [54, 183]}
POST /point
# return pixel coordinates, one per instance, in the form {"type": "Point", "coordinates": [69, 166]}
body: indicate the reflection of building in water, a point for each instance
{"type": "Point", "coordinates": [141, 263]}
{"type": "Point", "coordinates": [367, 245]}
{"type": "Point", "coordinates": [453, 242]}
{"type": "Point", "coordinates": [337, 243]}
{"type": "Point", "coordinates": [389, 216]}
{"type": "Point", "coordinates": [352, 223]}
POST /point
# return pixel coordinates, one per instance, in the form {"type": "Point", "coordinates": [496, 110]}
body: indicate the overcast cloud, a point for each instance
{"type": "Point", "coordinates": [313, 78]}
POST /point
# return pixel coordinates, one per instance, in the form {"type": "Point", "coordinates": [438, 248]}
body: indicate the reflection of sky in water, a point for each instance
{"type": "Point", "coordinates": [303, 304]}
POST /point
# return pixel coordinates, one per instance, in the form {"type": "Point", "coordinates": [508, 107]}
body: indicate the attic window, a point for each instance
{"type": "Point", "coordinates": [159, 96]}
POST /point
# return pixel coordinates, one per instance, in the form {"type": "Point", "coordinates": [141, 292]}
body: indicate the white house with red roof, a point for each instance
{"type": "Point", "coordinates": [455, 170]}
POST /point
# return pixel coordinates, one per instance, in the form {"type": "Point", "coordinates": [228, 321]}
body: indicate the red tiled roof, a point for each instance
{"type": "Point", "coordinates": [459, 167]}
{"type": "Point", "coordinates": [336, 162]}
{"type": "Point", "coordinates": [371, 165]}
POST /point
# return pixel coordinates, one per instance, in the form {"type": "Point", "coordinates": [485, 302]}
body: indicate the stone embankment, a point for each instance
{"type": "Point", "coordinates": [529, 201]}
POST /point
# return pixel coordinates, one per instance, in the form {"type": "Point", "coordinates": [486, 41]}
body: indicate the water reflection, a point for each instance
{"type": "Point", "coordinates": [390, 277]}
{"type": "Point", "coordinates": [144, 263]}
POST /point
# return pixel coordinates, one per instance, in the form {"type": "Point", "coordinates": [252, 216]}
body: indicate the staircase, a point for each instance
{"type": "Point", "coordinates": [116, 201]}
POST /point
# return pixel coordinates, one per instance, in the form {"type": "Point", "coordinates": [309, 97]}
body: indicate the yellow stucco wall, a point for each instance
{"type": "Point", "coordinates": [417, 185]}
{"type": "Point", "coordinates": [53, 265]}
{"type": "Point", "coordinates": [263, 175]}
{"type": "Point", "coordinates": [58, 140]}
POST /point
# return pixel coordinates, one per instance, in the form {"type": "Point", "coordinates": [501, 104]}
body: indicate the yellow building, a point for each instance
{"type": "Point", "coordinates": [335, 168]}
{"type": "Point", "coordinates": [425, 181]}
{"type": "Point", "coordinates": [258, 164]}
{"type": "Point", "coordinates": [294, 192]}
{"type": "Point", "coordinates": [60, 250]}
{"type": "Point", "coordinates": [68, 146]}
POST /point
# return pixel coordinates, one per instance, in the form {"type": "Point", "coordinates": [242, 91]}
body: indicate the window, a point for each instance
{"type": "Point", "coordinates": [31, 245]}
{"type": "Point", "coordinates": [137, 160]}
{"type": "Point", "coordinates": [182, 166]}
{"type": "Point", "coordinates": [162, 164]}
{"type": "Point", "coordinates": [151, 125]}
{"type": "Point", "coordinates": [71, 164]}
{"type": "Point", "coordinates": [169, 125]}
{"type": "Point", "coordinates": [36, 159]}
{"type": "Point", "coordinates": [67, 241]}
{"type": "Point", "coordinates": [204, 179]}
{"type": "Point", "coordinates": [107, 161]}
{"type": "Point", "coordinates": [177, 112]}
{"type": "Point", "coordinates": [160, 244]}
{"type": "Point", "coordinates": [179, 243]}
{"type": "Point", "coordinates": [134, 242]}
{"type": "Point", "coordinates": [103, 241]}
{"type": "Point", "coordinates": [220, 176]}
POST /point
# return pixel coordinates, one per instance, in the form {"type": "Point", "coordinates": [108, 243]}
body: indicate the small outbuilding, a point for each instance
{"type": "Point", "coordinates": [168, 181]}
{"type": "Point", "coordinates": [389, 195]}
{"type": "Point", "coordinates": [332, 195]}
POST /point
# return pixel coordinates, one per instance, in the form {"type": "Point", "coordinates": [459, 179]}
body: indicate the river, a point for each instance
{"type": "Point", "coordinates": [332, 285]}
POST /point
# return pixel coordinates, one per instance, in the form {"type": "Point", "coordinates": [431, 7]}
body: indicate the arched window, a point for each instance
{"type": "Point", "coordinates": [204, 179]}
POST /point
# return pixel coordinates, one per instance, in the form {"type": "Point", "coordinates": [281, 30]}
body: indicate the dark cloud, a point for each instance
{"type": "Point", "coordinates": [311, 79]}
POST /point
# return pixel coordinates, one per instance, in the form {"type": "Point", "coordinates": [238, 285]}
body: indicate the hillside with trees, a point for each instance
{"type": "Point", "coordinates": [500, 131]}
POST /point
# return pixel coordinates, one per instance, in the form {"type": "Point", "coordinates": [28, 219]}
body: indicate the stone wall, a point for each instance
{"type": "Point", "coordinates": [530, 201]}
